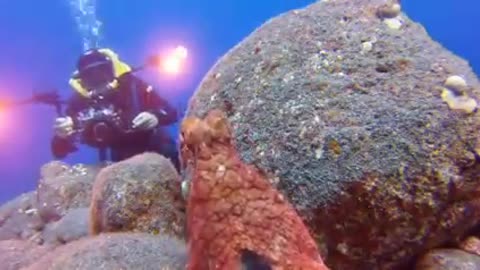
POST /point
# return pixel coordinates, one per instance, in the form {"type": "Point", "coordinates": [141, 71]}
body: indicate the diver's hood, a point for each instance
{"type": "Point", "coordinates": [93, 58]}
{"type": "Point", "coordinates": [95, 70]}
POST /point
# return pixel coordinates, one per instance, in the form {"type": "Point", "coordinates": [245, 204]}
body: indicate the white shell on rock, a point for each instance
{"type": "Point", "coordinates": [455, 82]}
{"type": "Point", "coordinates": [393, 23]}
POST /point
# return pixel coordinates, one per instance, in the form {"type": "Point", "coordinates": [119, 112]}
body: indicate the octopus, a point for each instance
{"type": "Point", "coordinates": [235, 218]}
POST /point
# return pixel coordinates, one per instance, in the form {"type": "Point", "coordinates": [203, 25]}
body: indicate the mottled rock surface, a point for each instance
{"type": "Point", "coordinates": [343, 109]}
{"type": "Point", "coordinates": [138, 194]}
{"type": "Point", "coordinates": [114, 251]}
{"type": "Point", "coordinates": [63, 187]}
{"type": "Point", "coordinates": [15, 254]}
{"type": "Point", "coordinates": [19, 218]}
{"type": "Point", "coordinates": [71, 227]}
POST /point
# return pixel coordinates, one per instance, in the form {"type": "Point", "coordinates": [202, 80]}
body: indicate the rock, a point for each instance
{"type": "Point", "coordinates": [360, 141]}
{"type": "Point", "coordinates": [72, 226]}
{"type": "Point", "coordinates": [448, 259]}
{"type": "Point", "coordinates": [471, 245]}
{"type": "Point", "coordinates": [63, 187]}
{"type": "Point", "coordinates": [139, 194]}
{"type": "Point", "coordinates": [114, 251]}
{"type": "Point", "coordinates": [60, 189]}
{"type": "Point", "coordinates": [15, 254]}
{"type": "Point", "coordinates": [19, 218]}
{"type": "Point", "coordinates": [233, 208]}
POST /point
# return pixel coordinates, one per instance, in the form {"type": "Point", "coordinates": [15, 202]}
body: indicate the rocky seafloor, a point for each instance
{"type": "Point", "coordinates": [362, 122]}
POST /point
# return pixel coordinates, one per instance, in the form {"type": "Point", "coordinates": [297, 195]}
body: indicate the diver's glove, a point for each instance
{"type": "Point", "coordinates": [145, 121]}
{"type": "Point", "coordinates": [63, 127]}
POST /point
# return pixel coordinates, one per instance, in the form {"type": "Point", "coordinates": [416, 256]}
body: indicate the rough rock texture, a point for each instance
{"type": "Point", "coordinates": [19, 218]}
{"type": "Point", "coordinates": [343, 110]}
{"type": "Point", "coordinates": [34, 223]}
{"type": "Point", "coordinates": [138, 194]}
{"type": "Point", "coordinates": [116, 251]}
{"type": "Point", "coordinates": [58, 212]}
{"type": "Point", "coordinates": [72, 226]}
{"type": "Point", "coordinates": [232, 208]}
{"type": "Point", "coordinates": [60, 189]}
{"type": "Point", "coordinates": [448, 259]}
{"type": "Point", "coordinates": [15, 254]}
{"type": "Point", "coordinates": [63, 187]}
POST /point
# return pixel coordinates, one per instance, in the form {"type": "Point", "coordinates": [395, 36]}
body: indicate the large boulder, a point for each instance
{"type": "Point", "coordinates": [364, 122]}
{"type": "Point", "coordinates": [139, 194]}
{"type": "Point", "coordinates": [113, 251]}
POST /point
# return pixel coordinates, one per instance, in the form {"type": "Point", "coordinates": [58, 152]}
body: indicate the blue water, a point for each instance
{"type": "Point", "coordinates": [40, 42]}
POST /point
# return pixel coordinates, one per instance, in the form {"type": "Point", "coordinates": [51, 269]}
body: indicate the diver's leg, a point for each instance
{"type": "Point", "coordinates": [162, 143]}
{"type": "Point", "coordinates": [125, 152]}
{"type": "Point", "coordinates": [171, 152]}
{"type": "Point", "coordinates": [116, 154]}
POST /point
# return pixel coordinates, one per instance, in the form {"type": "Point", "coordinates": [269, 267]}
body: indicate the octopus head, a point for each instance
{"type": "Point", "coordinates": [196, 131]}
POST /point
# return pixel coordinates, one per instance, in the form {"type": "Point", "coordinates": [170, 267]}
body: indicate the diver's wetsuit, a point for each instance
{"type": "Point", "coordinates": [132, 96]}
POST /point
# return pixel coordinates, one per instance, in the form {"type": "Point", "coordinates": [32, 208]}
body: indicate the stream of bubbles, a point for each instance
{"type": "Point", "coordinates": [89, 26]}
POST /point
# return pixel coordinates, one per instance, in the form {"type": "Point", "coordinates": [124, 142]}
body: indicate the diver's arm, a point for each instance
{"type": "Point", "coordinates": [61, 147]}
{"type": "Point", "coordinates": [165, 113]}
{"type": "Point", "coordinates": [154, 104]}
{"type": "Point", "coordinates": [74, 105]}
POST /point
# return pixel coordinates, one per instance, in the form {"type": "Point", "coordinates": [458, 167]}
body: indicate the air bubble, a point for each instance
{"type": "Point", "coordinates": [89, 27]}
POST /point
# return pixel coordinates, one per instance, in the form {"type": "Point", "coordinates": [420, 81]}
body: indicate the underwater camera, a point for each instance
{"type": "Point", "coordinates": [101, 127]}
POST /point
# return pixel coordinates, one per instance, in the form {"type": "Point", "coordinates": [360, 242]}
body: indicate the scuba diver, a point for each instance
{"type": "Point", "coordinates": [103, 83]}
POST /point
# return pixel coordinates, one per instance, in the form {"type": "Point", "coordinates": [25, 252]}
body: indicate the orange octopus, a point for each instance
{"type": "Point", "coordinates": [235, 218]}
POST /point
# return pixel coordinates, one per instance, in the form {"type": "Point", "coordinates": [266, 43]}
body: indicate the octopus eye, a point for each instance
{"type": "Point", "coordinates": [253, 261]}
